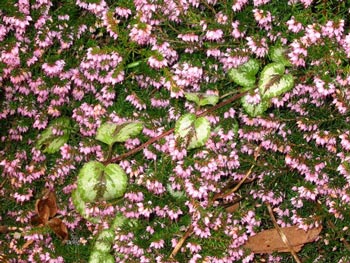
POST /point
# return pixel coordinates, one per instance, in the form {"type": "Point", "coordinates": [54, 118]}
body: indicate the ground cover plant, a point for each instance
{"type": "Point", "coordinates": [174, 131]}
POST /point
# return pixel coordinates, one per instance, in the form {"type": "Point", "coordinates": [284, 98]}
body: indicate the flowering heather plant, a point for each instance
{"type": "Point", "coordinates": [174, 131]}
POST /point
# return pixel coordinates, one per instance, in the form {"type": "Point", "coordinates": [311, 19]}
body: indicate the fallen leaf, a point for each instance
{"type": "Point", "coordinates": [59, 228]}
{"type": "Point", "coordinates": [269, 241]}
{"type": "Point", "coordinates": [42, 210]}
{"type": "Point", "coordinates": [35, 220]}
{"type": "Point", "coordinates": [46, 208]}
{"type": "Point", "coordinates": [3, 229]}
{"type": "Point", "coordinates": [232, 208]}
{"type": "Point", "coordinates": [50, 200]}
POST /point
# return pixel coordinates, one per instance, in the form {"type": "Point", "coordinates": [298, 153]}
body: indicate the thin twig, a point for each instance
{"type": "Point", "coordinates": [233, 190]}
{"type": "Point", "coordinates": [181, 241]}
{"type": "Point", "coordinates": [282, 235]}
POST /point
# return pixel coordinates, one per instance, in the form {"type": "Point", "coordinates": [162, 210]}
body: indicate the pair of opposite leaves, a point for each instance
{"type": "Point", "coordinates": [46, 210]}
{"type": "Point", "coordinates": [273, 81]}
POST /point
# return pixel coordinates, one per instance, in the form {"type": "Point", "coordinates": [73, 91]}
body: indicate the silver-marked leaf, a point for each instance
{"type": "Point", "coordinates": [175, 194]}
{"type": "Point", "coordinates": [184, 124]}
{"type": "Point", "coordinates": [269, 76]}
{"type": "Point", "coordinates": [208, 99]}
{"type": "Point", "coordinates": [88, 178]}
{"type": "Point", "coordinates": [100, 257]}
{"type": "Point", "coordinates": [244, 75]}
{"type": "Point", "coordinates": [104, 241]}
{"type": "Point", "coordinates": [127, 130]}
{"type": "Point", "coordinates": [105, 133]}
{"type": "Point", "coordinates": [273, 82]}
{"type": "Point", "coordinates": [242, 78]}
{"type": "Point", "coordinates": [99, 182]}
{"type": "Point", "coordinates": [110, 133]}
{"type": "Point", "coordinates": [278, 54]}
{"type": "Point", "coordinates": [251, 67]}
{"type": "Point", "coordinates": [116, 182]}
{"type": "Point", "coordinates": [191, 96]}
{"type": "Point", "coordinates": [80, 206]}
{"type": "Point", "coordinates": [48, 142]}
{"type": "Point", "coordinates": [254, 110]}
{"type": "Point", "coordinates": [201, 133]}
{"type": "Point", "coordinates": [284, 84]}
{"type": "Point", "coordinates": [202, 99]}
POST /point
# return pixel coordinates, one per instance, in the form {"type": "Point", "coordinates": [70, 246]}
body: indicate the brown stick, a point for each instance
{"type": "Point", "coordinates": [233, 190]}
{"type": "Point", "coordinates": [181, 241]}
{"type": "Point", "coordinates": [282, 235]}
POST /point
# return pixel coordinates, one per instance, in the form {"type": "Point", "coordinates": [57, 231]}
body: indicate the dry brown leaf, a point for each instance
{"type": "Point", "coordinates": [50, 198]}
{"type": "Point", "coordinates": [35, 220]}
{"type": "Point", "coordinates": [4, 229]}
{"type": "Point", "coordinates": [59, 228]}
{"type": "Point", "coordinates": [232, 208]}
{"type": "Point", "coordinates": [43, 211]}
{"type": "Point", "coordinates": [269, 241]}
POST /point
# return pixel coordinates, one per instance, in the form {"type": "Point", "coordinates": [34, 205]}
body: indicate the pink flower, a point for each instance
{"type": "Point", "coordinates": [214, 35]}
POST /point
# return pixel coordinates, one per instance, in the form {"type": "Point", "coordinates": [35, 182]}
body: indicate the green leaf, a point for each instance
{"type": "Point", "coordinates": [104, 241]}
{"type": "Point", "coordinates": [105, 133]}
{"type": "Point", "coordinates": [192, 97]}
{"type": "Point", "coordinates": [285, 83]}
{"type": "Point", "coordinates": [88, 177]}
{"type": "Point", "coordinates": [244, 75]}
{"type": "Point", "coordinates": [50, 143]}
{"type": "Point", "coordinates": [273, 82]}
{"type": "Point", "coordinates": [195, 132]}
{"type": "Point", "coordinates": [100, 257]}
{"type": "Point", "coordinates": [202, 99]}
{"type": "Point", "coordinates": [179, 195]}
{"type": "Point", "coordinates": [80, 206]}
{"type": "Point", "coordinates": [201, 133]}
{"type": "Point", "coordinates": [184, 124]}
{"type": "Point", "coordinates": [128, 130]}
{"type": "Point", "coordinates": [118, 220]}
{"type": "Point", "coordinates": [251, 67]}
{"type": "Point", "coordinates": [278, 54]}
{"type": "Point", "coordinates": [110, 133]}
{"type": "Point", "coordinates": [99, 182]}
{"type": "Point", "coordinates": [254, 110]}
{"type": "Point", "coordinates": [116, 182]}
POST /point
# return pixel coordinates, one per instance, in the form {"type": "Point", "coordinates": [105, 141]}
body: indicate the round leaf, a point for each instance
{"type": "Point", "coordinates": [242, 78]}
{"type": "Point", "coordinates": [110, 133]}
{"type": "Point", "coordinates": [51, 143]}
{"type": "Point", "coordinates": [88, 179]}
{"type": "Point", "coordinates": [285, 83]}
{"type": "Point", "coordinates": [105, 133]}
{"type": "Point", "coordinates": [201, 133]}
{"type": "Point", "coordinates": [251, 67]}
{"type": "Point", "coordinates": [127, 130]}
{"type": "Point", "coordinates": [254, 110]}
{"type": "Point", "coordinates": [100, 257]}
{"type": "Point", "coordinates": [191, 96]}
{"type": "Point", "coordinates": [278, 54]}
{"type": "Point", "coordinates": [80, 206]}
{"type": "Point", "coordinates": [244, 75]}
{"type": "Point", "coordinates": [183, 125]}
{"type": "Point", "coordinates": [104, 241]}
{"type": "Point", "coordinates": [202, 99]}
{"type": "Point", "coordinates": [271, 74]}
{"type": "Point", "coordinates": [116, 182]}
